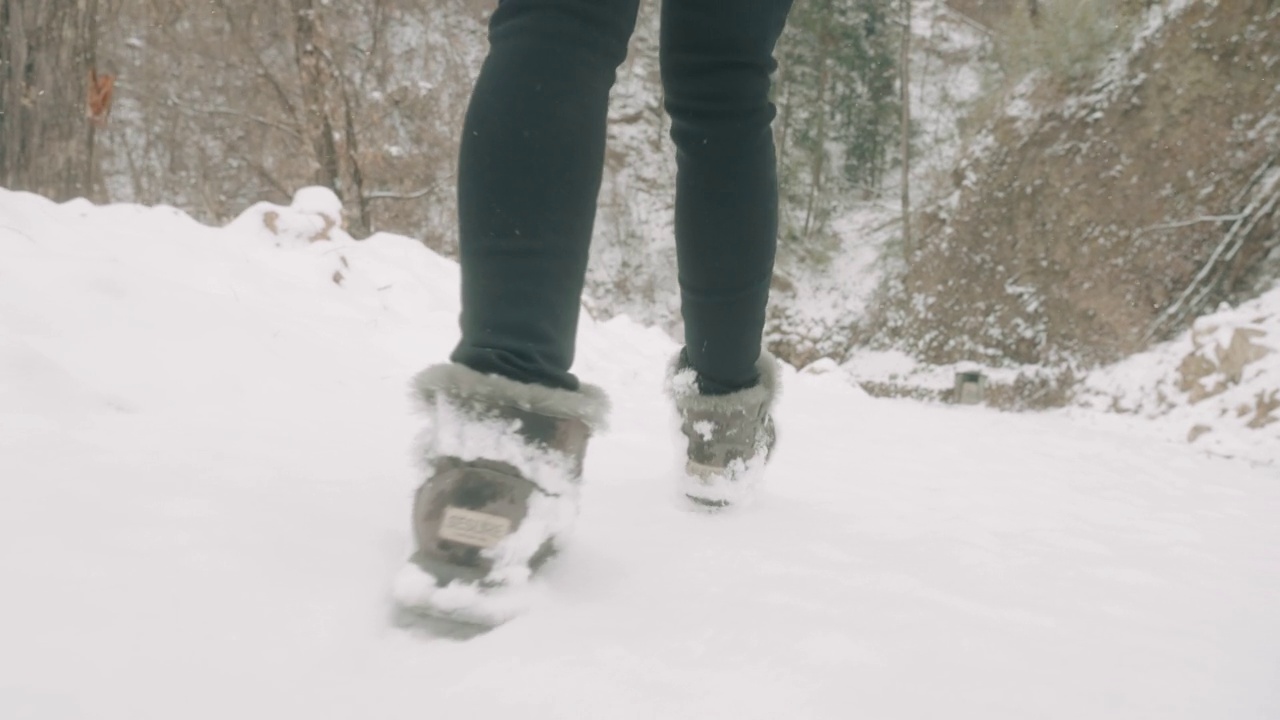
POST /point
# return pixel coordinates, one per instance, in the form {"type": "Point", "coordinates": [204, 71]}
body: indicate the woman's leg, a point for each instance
{"type": "Point", "coordinates": [717, 56]}
{"type": "Point", "coordinates": [528, 178]}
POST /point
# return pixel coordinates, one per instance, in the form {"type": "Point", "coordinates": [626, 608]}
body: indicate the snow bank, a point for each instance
{"type": "Point", "coordinates": [1217, 386]}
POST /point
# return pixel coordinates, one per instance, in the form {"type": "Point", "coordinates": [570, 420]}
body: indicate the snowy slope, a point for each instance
{"type": "Point", "coordinates": [204, 489]}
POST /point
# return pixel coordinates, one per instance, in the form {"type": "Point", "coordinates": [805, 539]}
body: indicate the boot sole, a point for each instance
{"type": "Point", "coordinates": [423, 621]}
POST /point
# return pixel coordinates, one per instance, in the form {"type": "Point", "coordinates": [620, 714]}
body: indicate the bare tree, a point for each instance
{"type": "Point", "coordinates": [819, 157]}
{"type": "Point", "coordinates": [313, 74]}
{"type": "Point", "coordinates": [904, 70]}
{"type": "Point", "coordinates": [222, 103]}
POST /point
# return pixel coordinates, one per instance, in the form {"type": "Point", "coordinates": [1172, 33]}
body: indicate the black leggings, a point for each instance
{"type": "Point", "coordinates": [531, 161]}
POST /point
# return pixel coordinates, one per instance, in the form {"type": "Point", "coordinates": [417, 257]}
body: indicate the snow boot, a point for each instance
{"type": "Point", "coordinates": [730, 437]}
{"type": "Point", "coordinates": [504, 462]}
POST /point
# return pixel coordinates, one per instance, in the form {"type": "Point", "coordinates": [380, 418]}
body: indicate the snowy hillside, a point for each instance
{"type": "Point", "coordinates": [205, 485]}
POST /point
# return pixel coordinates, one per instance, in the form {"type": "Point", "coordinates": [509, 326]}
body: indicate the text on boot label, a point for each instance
{"type": "Point", "coordinates": [473, 528]}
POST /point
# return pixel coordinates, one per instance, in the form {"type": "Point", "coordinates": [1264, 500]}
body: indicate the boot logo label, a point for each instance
{"type": "Point", "coordinates": [473, 528]}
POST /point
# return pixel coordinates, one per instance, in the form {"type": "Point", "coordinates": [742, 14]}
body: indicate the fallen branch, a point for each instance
{"type": "Point", "coordinates": [1253, 179]}
{"type": "Point", "coordinates": [1230, 254]}
{"type": "Point", "coordinates": [1185, 223]}
{"type": "Point", "coordinates": [1202, 284]}
{"type": "Point", "coordinates": [393, 195]}
{"type": "Point", "coordinates": [1236, 200]}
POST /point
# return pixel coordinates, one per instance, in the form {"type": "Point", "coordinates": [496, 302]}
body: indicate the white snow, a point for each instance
{"type": "Point", "coordinates": [206, 477]}
{"type": "Point", "coordinates": [1217, 386]}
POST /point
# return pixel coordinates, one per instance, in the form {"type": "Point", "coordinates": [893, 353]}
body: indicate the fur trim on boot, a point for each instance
{"type": "Point", "coordinates": [589, 404]}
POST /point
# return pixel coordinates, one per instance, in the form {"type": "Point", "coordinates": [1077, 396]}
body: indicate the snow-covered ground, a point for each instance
{"type": "Point", "coordinates": [1216, 386]}
{"type": "Point", "coordinates": [205, 485]}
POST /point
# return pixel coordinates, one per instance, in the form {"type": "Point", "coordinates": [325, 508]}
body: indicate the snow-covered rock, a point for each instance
{"type": "Point", "coordinates": [1217, 386]}
{"type": "Point", "coordinates": [315, 214]}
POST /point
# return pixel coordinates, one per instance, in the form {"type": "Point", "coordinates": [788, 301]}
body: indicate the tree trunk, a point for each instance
{"type": "Point", "coordinates": [904, 70]}
{"type": "Point", "coordinates": [46, 55]}
{"type": "Point", "coordinates": [818, 167]}
{"type": "Point", "coordinates": [353, 165]}
{"type": "Point", "coordinates": [314, 85]}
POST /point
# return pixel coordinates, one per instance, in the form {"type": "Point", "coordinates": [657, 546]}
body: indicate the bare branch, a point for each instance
{"type": "Point", "coordinates": [1185, 223]}
{"type": "Point", "coordinates": [194, 110]}
{"type": "Point", "coordinates": [966, 19]}
{"type": "Point", "coordinates": [268, 177]}
{"type": "Point", "coordinates": [281, 94]}
{"type": "Point", "coordinates": [392, 195]}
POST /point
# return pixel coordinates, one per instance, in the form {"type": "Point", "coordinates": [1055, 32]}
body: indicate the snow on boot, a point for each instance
{"type": "Point", "coordinates": [504, 463]}
{"type": "Point", "coordinates": [730, 437]}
